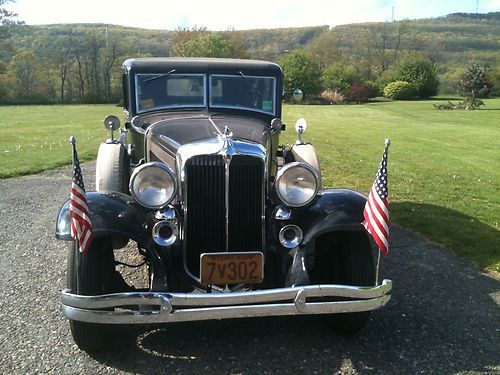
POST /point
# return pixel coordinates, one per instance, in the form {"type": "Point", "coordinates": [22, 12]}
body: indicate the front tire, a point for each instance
{"type": "Point", "coordinates": [112, 168]}
{"type": "Point", "coordinates": [91, 274]}
{"type": "Point", "coordinates": [345, 258]}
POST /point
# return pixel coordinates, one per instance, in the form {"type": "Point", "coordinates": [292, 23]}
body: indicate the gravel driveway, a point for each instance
{"type": "Point", "coordinates": [444, 315]}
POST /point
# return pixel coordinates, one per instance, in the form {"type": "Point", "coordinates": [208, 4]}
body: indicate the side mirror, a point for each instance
{"type": "Point", "coordinates": [111, 123]}
{"type": "Point", "coordinates": [300, 128]}
{"type": "Point", "coordinates": [276, 125]}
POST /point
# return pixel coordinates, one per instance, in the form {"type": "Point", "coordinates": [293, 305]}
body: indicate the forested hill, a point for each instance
{"type": "Point", "coordinates": [81, 62]}
{"type": "Point", "coordinates": [453, 39]}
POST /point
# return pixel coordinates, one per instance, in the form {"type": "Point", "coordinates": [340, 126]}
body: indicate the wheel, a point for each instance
{"type": "Point", "coordinates": [91, 274]}
{"type": "Point", "coordinates": [345, 258]}
{"type": "Point", "coordinates": [112, 168]}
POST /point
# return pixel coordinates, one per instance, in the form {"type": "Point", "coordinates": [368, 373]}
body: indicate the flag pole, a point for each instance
{"type": "Point", "coordinates": [72, 140]}
{"type": "Point", "coordinates": [387, 144]}
{"type": "Point", "coordinates": [378, 266]}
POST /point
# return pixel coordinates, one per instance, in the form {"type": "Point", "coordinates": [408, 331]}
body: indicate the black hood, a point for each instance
{"type": "Point", "coordinates": [172, 133]}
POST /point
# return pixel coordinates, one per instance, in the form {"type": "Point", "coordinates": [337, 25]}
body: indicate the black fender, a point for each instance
{"type": "Point", "coordinates": [112, 214]}
{"type": "Point", "coordinates": [332, 210]}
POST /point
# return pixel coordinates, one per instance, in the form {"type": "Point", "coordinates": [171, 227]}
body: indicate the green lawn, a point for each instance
{"type": "Point", "coordinates": [35, 138]}
{"type": "Point", "coordinates": [444, 166]}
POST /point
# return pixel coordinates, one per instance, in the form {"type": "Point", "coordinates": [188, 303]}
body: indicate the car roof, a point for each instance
{"type": "Point", "coordinates": [202, 65]}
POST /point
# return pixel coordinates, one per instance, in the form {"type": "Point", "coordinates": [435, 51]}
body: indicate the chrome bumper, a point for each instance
{"type": "Point", "coordinates": [152, 307]}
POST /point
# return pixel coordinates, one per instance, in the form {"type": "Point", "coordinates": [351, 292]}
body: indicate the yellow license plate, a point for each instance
{"type": "Point", "coordinates": [232, 268]}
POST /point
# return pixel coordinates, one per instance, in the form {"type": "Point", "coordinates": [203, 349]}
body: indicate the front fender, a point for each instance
{"type": "Point", "coordinates": [112, 214]}
{"type": "Point", "coordinates": [333, 210]}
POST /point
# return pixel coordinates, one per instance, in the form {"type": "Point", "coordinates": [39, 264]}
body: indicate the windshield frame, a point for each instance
{"type": "Point", "coordinates": [243, 78]}
{"type": "Point", "coordinates": [159, 75]}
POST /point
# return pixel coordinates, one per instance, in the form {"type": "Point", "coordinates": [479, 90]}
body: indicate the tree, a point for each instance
{"type": "Point", "coordinates": [7, 17]}
{"type": "Point", "coordinates": [420, 72]}
{"type": "Point", "coordinates": [493, 75]}
{"type": "Point", "coordinates": [25, 70]}
{"type": "Point", "coordinates": [183, 35]}
{"type": "Point", "coordinates": [325, 48]}
{"type": "Point", "coordinates": [301, 72]}
{"type": "Point", "coordinates": [474, 83]}
{"type": "Point", "coordinates": [339, 77]}
{"type": "Point", "coordinates": [207, 45]}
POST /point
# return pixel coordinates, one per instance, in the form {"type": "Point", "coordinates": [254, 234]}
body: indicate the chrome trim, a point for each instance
{"type": "Point", "coordinates": [227, 147]}
{"type": "Point", "coordinates": [294, 242]}
{"type": "Point", "coordinates": [165, 241]}
{"type": "Point", "coordinates": [163, 166]}
{"type": "Point", "coordinates": [169, 141]}
{"type": "Point", "coordinates": [182, 307]}
{"type": "Point", "coordinates": [295, 164]}
{"type": "Point", "coordinates": [282, 213]}
{"type": "Point", "coordinates": [167, 214]}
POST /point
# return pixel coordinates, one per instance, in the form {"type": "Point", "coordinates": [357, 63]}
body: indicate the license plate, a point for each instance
{"type": "Point", "coordinates": [232, 268]}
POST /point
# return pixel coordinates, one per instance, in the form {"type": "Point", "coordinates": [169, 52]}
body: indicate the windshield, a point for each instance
{"type": "Point", "coordinates": [157, 91]}
{"type": "Point", "coordinates": [170, 90]}
{"type": "Point", "coordinates": [243, 92]}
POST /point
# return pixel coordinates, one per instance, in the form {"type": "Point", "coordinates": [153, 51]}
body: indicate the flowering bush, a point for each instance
{"type": "Point", "coordinates": [359, 93]}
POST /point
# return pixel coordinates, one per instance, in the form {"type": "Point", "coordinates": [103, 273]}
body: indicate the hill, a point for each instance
{"type": "Point", "coordinates": [82, 61]}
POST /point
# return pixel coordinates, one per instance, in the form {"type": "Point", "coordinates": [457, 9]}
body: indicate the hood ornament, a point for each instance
{"type": "Point", "coordinates": [227, 133]}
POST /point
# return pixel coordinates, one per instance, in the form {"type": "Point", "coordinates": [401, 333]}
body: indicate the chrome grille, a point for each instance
{"type": "Point", "coordinates": [207, 206]}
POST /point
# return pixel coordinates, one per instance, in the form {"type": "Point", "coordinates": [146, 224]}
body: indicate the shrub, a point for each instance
{"type": "Point", "coordinates": [333, 96]}
{"type": "Point", "coordinates": [420, 72]}
{"type": "Point", "coordinates": [474, 83]}
{"type": "Point", "coordinates": [359, 93]}
{"type": "Point", "coordinates": [300, 72]}
{"type": "Point", "coordinates": [339, 77]}
{"type": "Point", "coordinates": [375, 88]}
{"type": "Point", "coordinates": [467, 104]}
{"type": "Point", "coordinates": [399, 90]}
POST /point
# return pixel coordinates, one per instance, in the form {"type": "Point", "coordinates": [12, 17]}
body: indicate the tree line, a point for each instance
{"type": "Point", "coordinates": [82, 63]}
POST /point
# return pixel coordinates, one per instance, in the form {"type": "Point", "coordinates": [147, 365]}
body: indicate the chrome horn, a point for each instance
{"type": "Point", "coordinates": [165, 233]}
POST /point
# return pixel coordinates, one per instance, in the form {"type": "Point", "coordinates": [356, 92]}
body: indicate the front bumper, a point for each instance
{"type": "Point", "coordinates": [153, 307]}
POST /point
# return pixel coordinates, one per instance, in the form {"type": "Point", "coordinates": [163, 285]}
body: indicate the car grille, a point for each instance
{"type": "Point", "coordinates": [206, 229]}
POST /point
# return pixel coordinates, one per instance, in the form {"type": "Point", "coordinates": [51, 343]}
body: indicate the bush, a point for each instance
{"type": "Point", "coordinates": [300, 71]}
{"type": "Point", "coordinates": [359, 93]}
{"type": "Point", "coordinates": [420, 72]}
{"type": "Point", "coordinates": [339, 77]}
{"type": "Point", "coordinates": [375, 88]}
{"type": "Point", "coordinates": [399, 90]}
{"type": "Point", "coordinates": [474, 83]}
{"type": "Point", "coordinates": [333, 96]}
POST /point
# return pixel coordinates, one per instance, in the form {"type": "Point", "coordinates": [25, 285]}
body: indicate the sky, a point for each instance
{"type": "Point", "coordinates": [239, 15]}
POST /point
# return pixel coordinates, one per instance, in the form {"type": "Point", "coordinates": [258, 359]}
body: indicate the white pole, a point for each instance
{"type": "Point", "coordinates": [376, 271]}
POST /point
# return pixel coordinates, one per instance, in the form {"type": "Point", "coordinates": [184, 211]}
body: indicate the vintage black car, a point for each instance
{"type": "Point", "coordinates": [229, 222]}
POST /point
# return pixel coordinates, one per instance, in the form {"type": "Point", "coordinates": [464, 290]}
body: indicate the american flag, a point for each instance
{"type": "Point", "coordinates": [376, 211]}
{"type": "Point", "coordinates": [81, 226]}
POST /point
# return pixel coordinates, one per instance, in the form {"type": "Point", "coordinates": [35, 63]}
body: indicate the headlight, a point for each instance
{"type": "Point", "coordinates": [297, 184]}
{"type": "Point", "coordinates": [153, 185]}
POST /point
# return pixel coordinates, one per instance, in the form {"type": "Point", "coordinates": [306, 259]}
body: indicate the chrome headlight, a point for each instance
{"type": "Point", "coordinates": [297, 184]}
{"type": "Point", "coordinates": [153, 185]}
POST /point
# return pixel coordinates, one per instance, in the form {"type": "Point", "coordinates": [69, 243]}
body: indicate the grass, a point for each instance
{"type": "Point", "coordinates": [443, 165]}
{"type": "Point", "coordinates": [35, 138]}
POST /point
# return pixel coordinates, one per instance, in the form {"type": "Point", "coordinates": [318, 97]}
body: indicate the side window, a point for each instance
{"type": "Point", "coordinates": [125, 91]}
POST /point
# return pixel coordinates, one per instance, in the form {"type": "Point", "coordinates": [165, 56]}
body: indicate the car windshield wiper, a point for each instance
{"type": "Point", "coordinates": [159, 76]}
{"type": "Point", "coordinates": [245, 79]}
